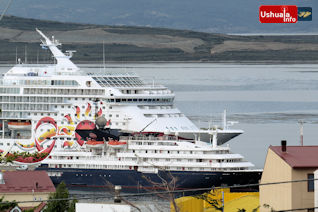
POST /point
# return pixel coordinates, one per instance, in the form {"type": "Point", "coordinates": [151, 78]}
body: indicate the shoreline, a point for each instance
{"type": "Point", "coordinates": [258, 62]}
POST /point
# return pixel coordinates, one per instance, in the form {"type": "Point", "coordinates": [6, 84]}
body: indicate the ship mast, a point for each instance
{"type": "Point", "coordinates": [62, 60]}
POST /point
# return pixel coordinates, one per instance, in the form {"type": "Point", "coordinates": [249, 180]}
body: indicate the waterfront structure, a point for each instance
{"type": "Point", "coordinates": [88, 129]}
{"type": "Point", "coordinates": [288, 163]}
{"type": "Point", "coordinates": [25, 186]}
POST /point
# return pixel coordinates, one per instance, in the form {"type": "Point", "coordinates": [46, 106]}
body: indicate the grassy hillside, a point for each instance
{"type": "Point", "coordinates": [149, 44]}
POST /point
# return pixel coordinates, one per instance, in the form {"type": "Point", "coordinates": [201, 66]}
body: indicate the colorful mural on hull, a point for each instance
{"type": "Point", "coordinates": [46, 132]}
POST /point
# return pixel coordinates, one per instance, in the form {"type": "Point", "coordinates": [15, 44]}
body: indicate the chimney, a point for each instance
{"type": "Point", "coordinates": [284, 145]}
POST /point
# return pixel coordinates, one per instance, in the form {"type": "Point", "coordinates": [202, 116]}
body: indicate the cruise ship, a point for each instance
{"type": "Point", "coordinates": [112, 128]}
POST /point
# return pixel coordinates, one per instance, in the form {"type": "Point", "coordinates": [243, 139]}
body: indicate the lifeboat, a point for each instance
{"type": "Point", "coordinates": [116, 144]}
{"type": "Point", "coordinates": [19, 125]}
{"type": "Point", "coordinates": [94, 144]}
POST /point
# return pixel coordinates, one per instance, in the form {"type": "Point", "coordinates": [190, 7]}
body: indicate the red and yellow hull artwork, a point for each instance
{"type": "Point", "coordinates": [88, 109]}
{"type": "Point", "coordinates": [46, 133]}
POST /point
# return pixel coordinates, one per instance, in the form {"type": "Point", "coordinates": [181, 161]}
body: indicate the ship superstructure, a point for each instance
{"type": "Point", "coordinates": [66, 94]}
{"type": "Point", "coordinates": [83, 125]}
{"type": "Point", "coordinates": [138, 162]}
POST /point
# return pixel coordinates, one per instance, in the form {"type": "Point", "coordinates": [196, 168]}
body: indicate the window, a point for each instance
{"type": "Point", "coordinates": [310, 182]}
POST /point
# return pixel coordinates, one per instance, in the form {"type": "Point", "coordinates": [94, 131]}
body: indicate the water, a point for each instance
{"type": "Point", "coordinates": [266, 100]}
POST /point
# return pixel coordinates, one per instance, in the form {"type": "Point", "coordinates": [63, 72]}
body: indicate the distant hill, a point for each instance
{"type": "Point", "coordinates": [216, 16]}
{"type": "Point", "coordinates": [127, 44]}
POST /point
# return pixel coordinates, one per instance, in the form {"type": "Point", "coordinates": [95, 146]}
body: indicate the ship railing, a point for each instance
{"type": "Point", "coordinates": [165, 138]}
{"type": "Point", "coordinates": [145, 86]}
{"type": "Point", "coordinates": [21, 138]}
{"type": "Point", "coordinates": [142, 138]}
{"type": "Point", "coordinates": [105, 74]}
{"type": "Point", "coordinates": [37, 83]}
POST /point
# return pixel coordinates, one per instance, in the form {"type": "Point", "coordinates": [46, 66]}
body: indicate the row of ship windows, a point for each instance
{"type": "Point", "coordinates": [75, 122]}
{"type": "Point", "coordinates": [10, 90]}
{"type": "Point", "coordinates": [175, 115]}
{"type": "Point", "coordinates": [146, 91]}
{"type": "Point", "coordinates": [35, 99]}
{"type": "Point", "coordinates": [39, 82]}
{"type": "Point", "coordinates": [160, 100]}
{"type": "Point", "coordinates": [20, 107]}
{"type": "Point", "coordinates": [31, 99]}
{"type": "Point", "coordinates": [177, 152]}
{"type": "Point", "coordinates": [157, 143]}
{"type": "Point", "coordinates": [156, 107]}
{"type": "Point", "coordinates": [165, 159]}
{"type": "Point", "coordinates": [192, 160]}
{"type": "Point", "coordinates": [64, 91]}
{"type": "Point", "coordinates": [135, 168]}
{"type": "Point", "coordinates": [83, 107]}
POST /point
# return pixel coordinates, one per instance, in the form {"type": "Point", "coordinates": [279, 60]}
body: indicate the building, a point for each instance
{"type": "Point", "coordinates": [25, 186]}
{"type": "Point", "coordinates": [289, 163]}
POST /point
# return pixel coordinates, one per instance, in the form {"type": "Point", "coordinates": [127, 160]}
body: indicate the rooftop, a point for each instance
{"type": "Point", "coordinates": [26, 181]}
{"type": "Point", "coordinates": [298, 156]}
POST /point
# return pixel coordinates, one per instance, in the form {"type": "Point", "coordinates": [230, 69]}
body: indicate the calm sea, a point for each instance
{"type": "Point", "coordinates": [266, 100]}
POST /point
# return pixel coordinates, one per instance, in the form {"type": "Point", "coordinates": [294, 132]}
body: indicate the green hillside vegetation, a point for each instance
{"type": "Point", "coordinates": [130, 44]}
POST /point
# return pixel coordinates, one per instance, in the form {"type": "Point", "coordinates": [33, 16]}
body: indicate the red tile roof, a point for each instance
{"type": "Point", "coordinates": [298, 156]}
{"type": "Point", "coordinates": [26, 181]}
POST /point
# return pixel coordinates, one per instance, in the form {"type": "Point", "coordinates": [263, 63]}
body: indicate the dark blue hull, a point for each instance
{"type": "Point", "coordinates": [134, 181]}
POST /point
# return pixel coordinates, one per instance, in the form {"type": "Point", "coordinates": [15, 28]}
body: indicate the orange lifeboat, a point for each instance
{"type": "Point", "coordinates": [116, 144]}
{"type": "Point", "coordinates": [19, 125]}
{"type": "Point", "coordinates": [94, 144]}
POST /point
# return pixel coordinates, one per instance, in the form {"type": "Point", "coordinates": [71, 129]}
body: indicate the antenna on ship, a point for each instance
{"type": "Point", "coordinates": [37, 57]}
{"type": "Point", "coordinates": [301, 122]}
{"type": "Point", "coordinates": [25, 54]}
{"type": "Point", "coordinates": [16, 55]}
{"type": "Point", "coordinates": [224, 120]}
{"type": "Point", "coordinates": [215, 136]}
{"type": "Point", "coordinates": [104, 55]}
